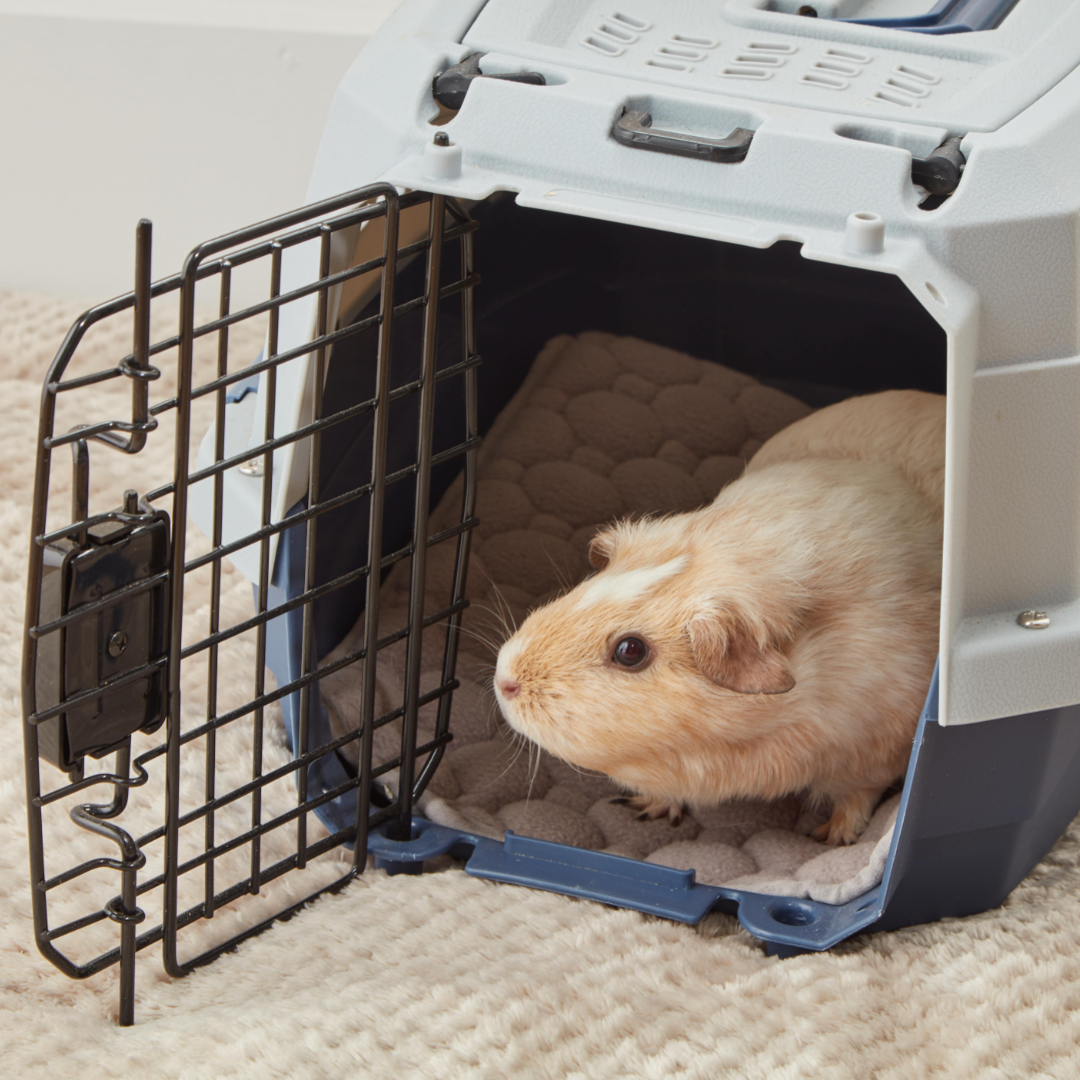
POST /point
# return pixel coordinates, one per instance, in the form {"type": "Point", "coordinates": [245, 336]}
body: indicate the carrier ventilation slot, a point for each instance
{"type": "Point", "coordinates": [670, 65]}
{"type": "Point", "coordinates": [838, 68]}
{"type": "Point", "coordinates": [904, 87]}
{"type": "Point", "coordinates": [777, 48]}
{"type": "Point", "coordinates": [849, 54]}
{"type": "Point", "coordinates": [618, 32]}
{"type": "Point", "coordinates": [828, 82]}
{"type": "Point", "coordinates": [745, 73]}
{"type": "Point", "coordinates": [631, 22]}
{"type": "Point", "coordinates": [696, 42]}
{"type": "Point", "coordinates": [603, 45]}
{"type": "Point", "coordinates": [894, 99]}
{"type": "Point", "coordinates": [761, 61]}
{"type": "Point", "coordinates": [681, 52]}
{"type": "Point", "coordinates": [917, 74]}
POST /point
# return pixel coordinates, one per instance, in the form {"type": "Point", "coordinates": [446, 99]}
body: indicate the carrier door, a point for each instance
{"type": "Point", "coordinates": [171, 703]}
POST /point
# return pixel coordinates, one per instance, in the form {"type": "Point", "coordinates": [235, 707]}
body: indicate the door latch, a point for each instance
{"type": "Point", "coordinates": [103, 628]}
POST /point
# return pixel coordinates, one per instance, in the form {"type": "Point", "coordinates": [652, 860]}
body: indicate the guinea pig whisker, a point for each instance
{"type": "Point", "coordinates": [477, 608]}
{"type": "Point", "coordinates": [505, 615]}
{"type": "Point", "coordinates": [532, 773]}
{"type": "Point", "coordinates": [561, 575]}
{"type": "Point", "coordinates": [484, 639]}
{"type": "Point", "coordinates": [513, 760]}
{"type": "Point", "coordinates": [579, 770]}
{"type": "Point", "coordinates": [536, 766]}
{"type": "Point", "coordinates": [503, 605]}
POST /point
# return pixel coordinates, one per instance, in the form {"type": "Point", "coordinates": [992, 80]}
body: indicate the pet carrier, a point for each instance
{"type": "Point", "coordinates": [833, 198]}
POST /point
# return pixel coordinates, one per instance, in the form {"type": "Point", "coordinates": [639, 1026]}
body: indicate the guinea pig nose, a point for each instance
{"type": "Point", "coordinates": [508, 688]}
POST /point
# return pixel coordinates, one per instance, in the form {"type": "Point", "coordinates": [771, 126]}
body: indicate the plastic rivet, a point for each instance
{"type": "Point", "coordinates": [1033, 620]}
{"type": "Point", "coordinates": [442, 158]}
{"type": "Point", "coordinates": [254, 467]}
{"type": "Point", "coordinates": [865, 233]}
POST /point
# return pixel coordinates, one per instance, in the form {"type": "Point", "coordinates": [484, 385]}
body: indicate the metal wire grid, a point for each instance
{"type": "Point", "coordinates": [218, 259]}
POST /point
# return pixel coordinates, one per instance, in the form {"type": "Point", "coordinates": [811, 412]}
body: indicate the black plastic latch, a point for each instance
{"type": "Point", "coordinates": [451, 86]}
{"type": "Point", "coordinates": [940, 172]}
{"type": "Point", "coordinates": [634, 129]}
{"type": "Point", "coordinates": [103, 635]}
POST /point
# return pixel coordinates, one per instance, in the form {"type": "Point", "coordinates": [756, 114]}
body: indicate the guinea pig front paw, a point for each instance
{"type": "Point", "coordinates": [835, 833]}
{"type": "Point", "coordinates": [851, 814]}
{"type": "Point", "coordinates": [652, 809]}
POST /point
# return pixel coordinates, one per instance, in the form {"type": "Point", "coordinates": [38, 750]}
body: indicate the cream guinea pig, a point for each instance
{"type": "Point", "coordinates": [778, 640]}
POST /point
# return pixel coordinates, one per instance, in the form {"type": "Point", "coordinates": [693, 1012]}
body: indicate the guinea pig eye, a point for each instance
{"type": "Point", "coordinates": [631, 652]}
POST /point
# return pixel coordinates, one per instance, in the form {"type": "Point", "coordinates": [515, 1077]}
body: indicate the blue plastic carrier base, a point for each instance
{"type": "Point", "coordinates": [981, 805]}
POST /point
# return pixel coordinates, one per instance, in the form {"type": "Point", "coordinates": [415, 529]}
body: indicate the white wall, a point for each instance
{"type": "Point", "coordinates": [202, 115]}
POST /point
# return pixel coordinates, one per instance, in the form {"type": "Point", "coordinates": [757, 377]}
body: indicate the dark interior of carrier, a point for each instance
{"type": "Point", "coordinates": [818, 331]}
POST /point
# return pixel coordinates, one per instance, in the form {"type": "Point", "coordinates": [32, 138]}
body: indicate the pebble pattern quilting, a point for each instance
{"type": "Point", "coordinates": [603, 427]}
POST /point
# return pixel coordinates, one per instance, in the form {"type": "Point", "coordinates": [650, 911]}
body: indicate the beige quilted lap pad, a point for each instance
{"type": "Point", "coordinates": [603, 427]}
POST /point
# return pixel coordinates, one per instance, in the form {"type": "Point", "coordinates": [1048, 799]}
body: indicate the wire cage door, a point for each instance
{"type": "Point", "coordinates": [138, 625]}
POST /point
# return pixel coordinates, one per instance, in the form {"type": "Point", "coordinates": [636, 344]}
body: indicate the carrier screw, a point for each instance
{"type": "Point", "coordinates": [254, 467]}
{"type": "Point", "coordinates": [441, 138]}
{"type": "Point", "coordinates": [1033, 620]}
{"type": "Point", "coordinates": [117, 643]}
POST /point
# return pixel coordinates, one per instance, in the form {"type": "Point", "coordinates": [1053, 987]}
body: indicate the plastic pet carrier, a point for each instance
{"type": "Point", "coordinates": [830, 199]}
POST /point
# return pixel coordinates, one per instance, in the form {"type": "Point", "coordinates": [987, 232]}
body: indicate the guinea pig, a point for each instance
{"type": "Point", "coordinates": [779, 640]}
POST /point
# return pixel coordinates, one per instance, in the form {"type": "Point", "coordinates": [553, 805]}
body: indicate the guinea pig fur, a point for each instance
{"type": "Point", "coordinates": [779, 640]}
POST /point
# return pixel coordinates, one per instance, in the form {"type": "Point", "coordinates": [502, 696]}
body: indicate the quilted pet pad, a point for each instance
{"type": "Point", "coordinates": [603, 427]}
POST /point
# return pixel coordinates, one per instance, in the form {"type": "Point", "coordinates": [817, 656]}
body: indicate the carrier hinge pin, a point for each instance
{"type": "Point", "coordinates": [940, 172]}
{"type": "Point", "coordinates": [449, 87]}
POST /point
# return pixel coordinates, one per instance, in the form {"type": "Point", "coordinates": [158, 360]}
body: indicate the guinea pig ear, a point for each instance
{"type": "Point", "coordinates": [601, 548]}
{"type": "Point", "coordinates": [727, 654]}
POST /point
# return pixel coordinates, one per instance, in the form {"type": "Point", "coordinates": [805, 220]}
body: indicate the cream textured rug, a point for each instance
{"type": "Point", "coordinates": [447, 976]}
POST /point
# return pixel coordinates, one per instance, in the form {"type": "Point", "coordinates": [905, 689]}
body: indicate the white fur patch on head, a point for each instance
{"type": "Point", "coordinates": [627, 584]}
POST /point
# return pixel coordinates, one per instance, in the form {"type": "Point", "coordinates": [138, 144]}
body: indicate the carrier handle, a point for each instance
{"type": "Point", "coordinates": [634, 129]}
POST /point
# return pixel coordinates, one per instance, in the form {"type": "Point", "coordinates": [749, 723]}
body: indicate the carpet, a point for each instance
{"type": "Point", "coordinates": [447, 976]}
